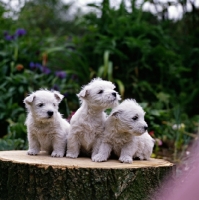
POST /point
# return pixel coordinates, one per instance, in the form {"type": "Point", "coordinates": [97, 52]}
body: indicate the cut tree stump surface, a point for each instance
{"type": "Point", "coordinates": [45, 160]}
{"type": "Point", "coordinates": [44, 177]}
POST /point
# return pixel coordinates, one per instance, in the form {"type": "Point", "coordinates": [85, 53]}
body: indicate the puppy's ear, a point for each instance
{"type": "Point", "coordinates": [58, 96]}
{"type": "Point", "coordinates": [83, 93]}
{"type": "Point", "coordinates": [116, 114]}
{"type": "Point", "coordinates": [29, 99]}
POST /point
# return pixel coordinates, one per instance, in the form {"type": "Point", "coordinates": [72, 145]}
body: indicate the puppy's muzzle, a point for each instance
{"type": "Point", "coordinates": [114, 94]}
{"type": "Point", "coordinates": [50, 113]}
{"type": "Point", "coordinates": [145, 128]}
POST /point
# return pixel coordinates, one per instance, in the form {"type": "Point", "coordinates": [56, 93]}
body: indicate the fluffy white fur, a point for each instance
{"type": "Point", "coordinates": [87, 124]}
{"type": "Point", "coordinates": [125, 133]}
{"type": "Point", "coordinates": [47, 130]}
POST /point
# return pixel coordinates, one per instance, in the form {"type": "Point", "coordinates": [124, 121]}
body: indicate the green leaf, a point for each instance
{"type": "Point", "coordinates": [120, 86]}
{"type": "Point", "coordinates": [55, 49]}
{"type": "Point", "coordinates": [163, 97]}
{"type": "Point", "coordinates": [101, 71]}
{"type": "Point", "coordinates": [110, 71]}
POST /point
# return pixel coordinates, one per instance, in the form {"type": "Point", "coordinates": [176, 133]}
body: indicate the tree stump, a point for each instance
{"type": "Point", "coordinates": [43, 177]}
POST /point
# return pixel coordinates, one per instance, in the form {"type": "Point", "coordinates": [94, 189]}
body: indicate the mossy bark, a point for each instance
{"type": "Point", "coordinates": [38, 181]}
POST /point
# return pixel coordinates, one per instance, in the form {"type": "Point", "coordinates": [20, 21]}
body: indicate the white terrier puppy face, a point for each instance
{"type": "Point", "coordinates": [43, 104]}
{"type": "Point", "coordinates": [100, 94]}
{"type": "Point", "coordinates": [129, 118]}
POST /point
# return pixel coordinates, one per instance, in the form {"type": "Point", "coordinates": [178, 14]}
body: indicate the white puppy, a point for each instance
{"type": "Point", "coordinates": [87, 124]}
{"type": "Point", "coordinates": [47, 130]}
{"type": "Point", "coordinates": [125, 133]}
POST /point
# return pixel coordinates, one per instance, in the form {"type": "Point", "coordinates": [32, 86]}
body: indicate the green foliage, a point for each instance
{"type": "Point", "coordinates": [142, 55]}
{"type": "Point", "coordinates": [106, 72]}
{"type": "Point", "coordinates": [17, 134]}
{"type": "Point", "coordinates": [27, 67]}
{"type": "Point", "coordinates": [154, 60]}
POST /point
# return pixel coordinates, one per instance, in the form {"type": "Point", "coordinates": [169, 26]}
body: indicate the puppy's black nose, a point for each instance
{"type": "Point", "coordinates": [50, 113]}
{"type": "Point", "coordinates": [145, 128]}
{"type": "Point", "coordinates": [114, 94]}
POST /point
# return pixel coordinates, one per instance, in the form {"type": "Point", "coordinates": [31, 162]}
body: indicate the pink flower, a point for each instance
{"type": "Point", "coordinates": [70, 116]}
{"type": "Point", "coordinates": [151, 133]}
{"type": "Point", "coordinates": [158, 141]}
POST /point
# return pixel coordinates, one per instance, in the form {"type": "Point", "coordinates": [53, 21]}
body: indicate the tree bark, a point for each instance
{"type": "Point", "coordinates": [43, 177]}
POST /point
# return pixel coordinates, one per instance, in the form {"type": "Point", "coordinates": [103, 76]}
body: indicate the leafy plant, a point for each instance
{"type": "Point", "coordinates": [149, 57]}
{"type": "Point", "coordinates": [106, 72]}
{"type": "Point", "coordinates": [23, 72]}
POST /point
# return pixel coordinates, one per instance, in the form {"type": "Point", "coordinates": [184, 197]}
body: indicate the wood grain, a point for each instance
{"type": "Point", "coordinates": [43, 177]}
{"type": "Point", "coordinates": [46, 160]}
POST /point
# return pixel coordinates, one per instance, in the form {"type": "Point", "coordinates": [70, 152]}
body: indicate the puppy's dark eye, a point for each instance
{"type": "Point", "coordinates": [41, 104]}
{"type": "Point", "coordinates": [54, 104]}
{"type": "Point", "coordinates": [135, 118]}
{"type": "Point", "coordinates": [100, 92]}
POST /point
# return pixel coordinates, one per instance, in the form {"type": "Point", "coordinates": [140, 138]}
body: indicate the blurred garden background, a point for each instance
{"type": "Point", "coordinates": [148, 55]}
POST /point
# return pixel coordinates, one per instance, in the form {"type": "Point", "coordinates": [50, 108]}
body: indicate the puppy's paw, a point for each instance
{"type": "Point", "coordinates": [71, 155]}
{"type": "Point", "coordinates": [32, 152]}
{"type": "Point", "coordinates": [126, 159]}
{"type": "Point", "coordinates": [99, 158]}
{"type": "Point", "coordinates": [138, 157]}
{"type": "Point", "coordinates": [141, 157]}
{"type": "Point", "coordinates": [57, 154]}
{"type": "Point", "coordinates": [146, 157]}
